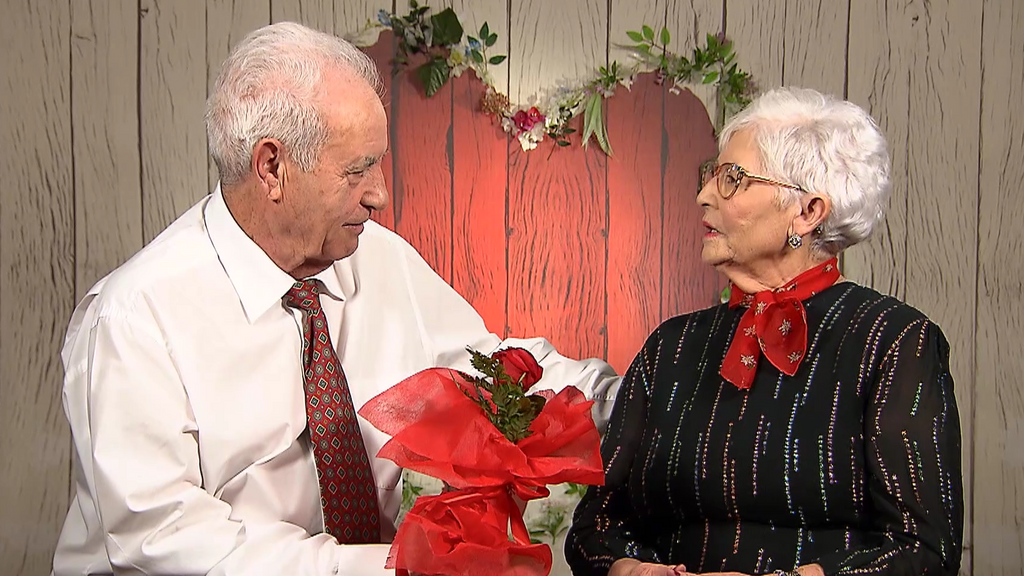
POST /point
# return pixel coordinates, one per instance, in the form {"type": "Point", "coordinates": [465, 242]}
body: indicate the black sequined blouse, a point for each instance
{"type": "Point", "coordinates": [853, 463]}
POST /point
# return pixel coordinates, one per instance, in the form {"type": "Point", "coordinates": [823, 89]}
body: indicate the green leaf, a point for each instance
{"type": "Point", "coordinates": [648, 32]}
{"type": "Point", "coordinates": [588, 121]}
{"type": "Point", "coordinates": [476, 56]}
{"type": "Point", "coordinates": [485, 31]}
{"type": "Point", "coordinates": [593, 124]}
{"type": "Point", "coordinates": [491, 40]}
{"type": "Point", "coordinates": [563, 143]}
{"type": "Point", "coordinates": [710, 77]}
{"type": "Point", "coordinates": [635, 36]}
{"type": "Point", "coordinates": [447, 28]}
{"type": "Point", "coordinates": [433, 74]}
{"type": "Point", "coordinates": [497, 59]}
{"type": "Point", "coordinates": [644, 49]}
{"type": "Point", "coordinates": [665, 36]}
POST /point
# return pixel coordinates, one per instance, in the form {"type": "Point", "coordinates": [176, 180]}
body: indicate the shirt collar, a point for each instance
{"type": "Point", "coordinates": [257, 281]}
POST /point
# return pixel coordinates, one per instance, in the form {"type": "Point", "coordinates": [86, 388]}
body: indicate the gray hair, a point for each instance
{"type": "Point", "coordinates": [267, 89]}
{"type": "Point", "coordinates": [827, 146]}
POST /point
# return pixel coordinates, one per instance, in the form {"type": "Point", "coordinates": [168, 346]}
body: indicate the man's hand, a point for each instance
{"type": "Point", "coordinates": [631, 567]}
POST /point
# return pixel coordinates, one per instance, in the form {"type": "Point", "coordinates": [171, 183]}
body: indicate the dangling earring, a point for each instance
{"type": "Point", "coordinates": [818, 231]}
{"type": "Point", "coordinates": [794, 241]}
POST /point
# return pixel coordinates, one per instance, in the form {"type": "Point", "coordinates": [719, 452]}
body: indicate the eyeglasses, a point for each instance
{"type": "Point", "coordinates": [729, 176]}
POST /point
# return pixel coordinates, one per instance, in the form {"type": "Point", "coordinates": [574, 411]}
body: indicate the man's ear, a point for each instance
{"type": "Point", "coordinates": [269, 167]}
{"type": "Point", "coordinates": [814, 210]}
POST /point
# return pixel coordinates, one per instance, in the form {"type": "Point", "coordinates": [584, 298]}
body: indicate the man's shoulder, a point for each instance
{"type": "Point", "coordinates": [378, 237]}
{"type": "Point", "coordinates": [177, 254]}
{"type": "Point", "coordinates": [380, 246]}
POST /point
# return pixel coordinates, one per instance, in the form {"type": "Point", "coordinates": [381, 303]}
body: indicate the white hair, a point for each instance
{"type": "Point", "coordinates": [267, 88]}
{"type": "Point", "coordinates": [826, 146]}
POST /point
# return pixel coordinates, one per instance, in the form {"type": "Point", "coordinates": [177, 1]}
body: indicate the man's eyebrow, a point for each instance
{"type": "Point", "coordinates": [365, 162]}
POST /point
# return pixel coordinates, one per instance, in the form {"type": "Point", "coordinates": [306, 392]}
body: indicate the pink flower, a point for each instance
{"type": "Point", "coordinates": [525, 120]}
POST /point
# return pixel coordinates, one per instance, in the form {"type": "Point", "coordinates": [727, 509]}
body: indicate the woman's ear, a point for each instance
{"type": "Point", "coordinates": [814, 210]}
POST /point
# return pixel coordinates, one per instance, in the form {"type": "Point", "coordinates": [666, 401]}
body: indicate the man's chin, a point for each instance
{"type": "Point", "coordinates": [343, 251]}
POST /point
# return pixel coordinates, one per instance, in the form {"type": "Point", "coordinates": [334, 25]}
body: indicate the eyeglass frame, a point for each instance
{"type": "Point", "coordinates": [707, 173]}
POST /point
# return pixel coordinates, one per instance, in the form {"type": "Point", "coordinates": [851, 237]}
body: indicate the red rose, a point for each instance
{"type": "Point", "coordinates": [520, 366]}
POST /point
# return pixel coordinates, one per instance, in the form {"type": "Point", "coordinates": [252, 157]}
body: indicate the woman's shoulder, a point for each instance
{"type": "Point", "coordinates": [697, 322]}
{"type": "Point", "coordinates": [868, 303]}
{"type": "Point", "coordinates": [879, 318]}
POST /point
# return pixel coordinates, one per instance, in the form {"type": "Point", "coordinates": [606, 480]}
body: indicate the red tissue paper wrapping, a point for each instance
{"type": "Point", "coordinates": [438, 431]}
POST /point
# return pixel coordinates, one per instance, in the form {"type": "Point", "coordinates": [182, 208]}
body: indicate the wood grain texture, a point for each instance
{"type": "Point", "coordinates": [173, 100]}
{"type": "Point", "coordinates": [634, 120]}
{"type": "Point", "coordinates": [633, 276]}
{"type": "Point", "coordinates": [627, 15]}
{"type": "Point", "coordinates": [999, 428]}
{"type": "Point", "coordinates": [689, 22]}
{"type": "Point", "coordinates": [383, 53]}
{"type": "Point", "coordinates": [754, 26]}
{"type": "Point", "coordinates": [473, 14]}
{"type": "Point", "coordinates": [558, 246]}
{"type": "Point", "coordinates": [881, 51]}
{"type": "Point", "coordinates": [942, 198]}
{"type": "Point", "coordinates": [688, 140]}
{"type": "Point", "coordinates": [104, 80]}
{"type": "Point", "coordinates": [479, 185]}
{"type": "Point", "coordinates": [480, 175]}
{"type": "Point", "coordinates": [351, 16]}
{"type": "Point", "coordinates": [814, 53]}
{"type": "Point", "coordinates": [421, 148]}
{"type": "Point", "coordinates": [37, 284]}
{"type": "Point", "coordinates": [227, 22]}
{"type": "Point", "coordinates": [557, 205]}
{"type": "Point", "coordinates": [317, 14]}
{"type": "Point", "coordinates": [554, 42]}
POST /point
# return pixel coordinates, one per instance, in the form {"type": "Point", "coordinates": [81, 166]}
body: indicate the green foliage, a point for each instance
{"type": "Point", "coordinates": [433, 74]}
{"type": "Point", "coordinates": [712, 63]}
{"type": "Point", "coordinates": [410, 492]}
{"type": "Point", "coordinates": [575, 490]}
{"type": "Point", "coordinates": [503, 400]}
{"type": "Point", "coordinates": [439, 37]}
{"type": "Point", "coordinates": [593, 123]}
{"type": "Point", "coordinates": [551, 523]}
{"type": "Point", "coordinates": [436, 35]}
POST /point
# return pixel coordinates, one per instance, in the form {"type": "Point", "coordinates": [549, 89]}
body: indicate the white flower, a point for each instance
{"type": "Point", "coordinates": [527, 141]}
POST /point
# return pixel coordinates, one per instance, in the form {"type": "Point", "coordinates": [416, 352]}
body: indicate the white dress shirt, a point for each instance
{"type": "Point", "coordinates": [183, 388]}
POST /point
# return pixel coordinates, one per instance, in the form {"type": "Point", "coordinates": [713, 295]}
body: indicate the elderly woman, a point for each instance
{"type": "Point", "coordinates": [808, 426]}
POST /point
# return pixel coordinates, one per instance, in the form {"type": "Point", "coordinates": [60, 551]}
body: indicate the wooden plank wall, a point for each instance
{"type": "Point", "coordinates": [101, 118]}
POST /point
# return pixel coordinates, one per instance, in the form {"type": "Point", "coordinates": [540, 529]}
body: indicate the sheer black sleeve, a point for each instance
{"type": "Point", "coordinates": [604, 524]}
{"type": "Point", "coordinates": [912, 451]}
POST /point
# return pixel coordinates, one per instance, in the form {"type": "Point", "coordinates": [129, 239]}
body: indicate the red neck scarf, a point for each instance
{"type": "Point", "coordinates": [774, 324]}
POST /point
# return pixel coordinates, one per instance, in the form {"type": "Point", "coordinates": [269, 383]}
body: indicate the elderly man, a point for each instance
{"type": "Point", "coordinates": [212, 380]}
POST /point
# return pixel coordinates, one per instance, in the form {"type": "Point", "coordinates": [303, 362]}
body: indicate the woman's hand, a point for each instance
{"type": "Point", "coordinates": [713, 574]}
{"type": "Point", "coordinates": [631, 567]}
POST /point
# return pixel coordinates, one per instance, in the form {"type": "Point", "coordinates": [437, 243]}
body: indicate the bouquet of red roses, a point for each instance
{"type": "Point", "coordinates": [488, 439]}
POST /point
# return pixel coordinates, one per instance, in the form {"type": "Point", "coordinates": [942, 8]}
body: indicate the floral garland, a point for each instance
{"type": "Point", "coordinates": [449, 52]}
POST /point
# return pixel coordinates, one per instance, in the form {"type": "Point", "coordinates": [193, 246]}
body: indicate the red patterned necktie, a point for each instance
{"type": "Point", "coordinates": [775, 324]}
{"type": "Point", "coordinates": [347, 491]}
